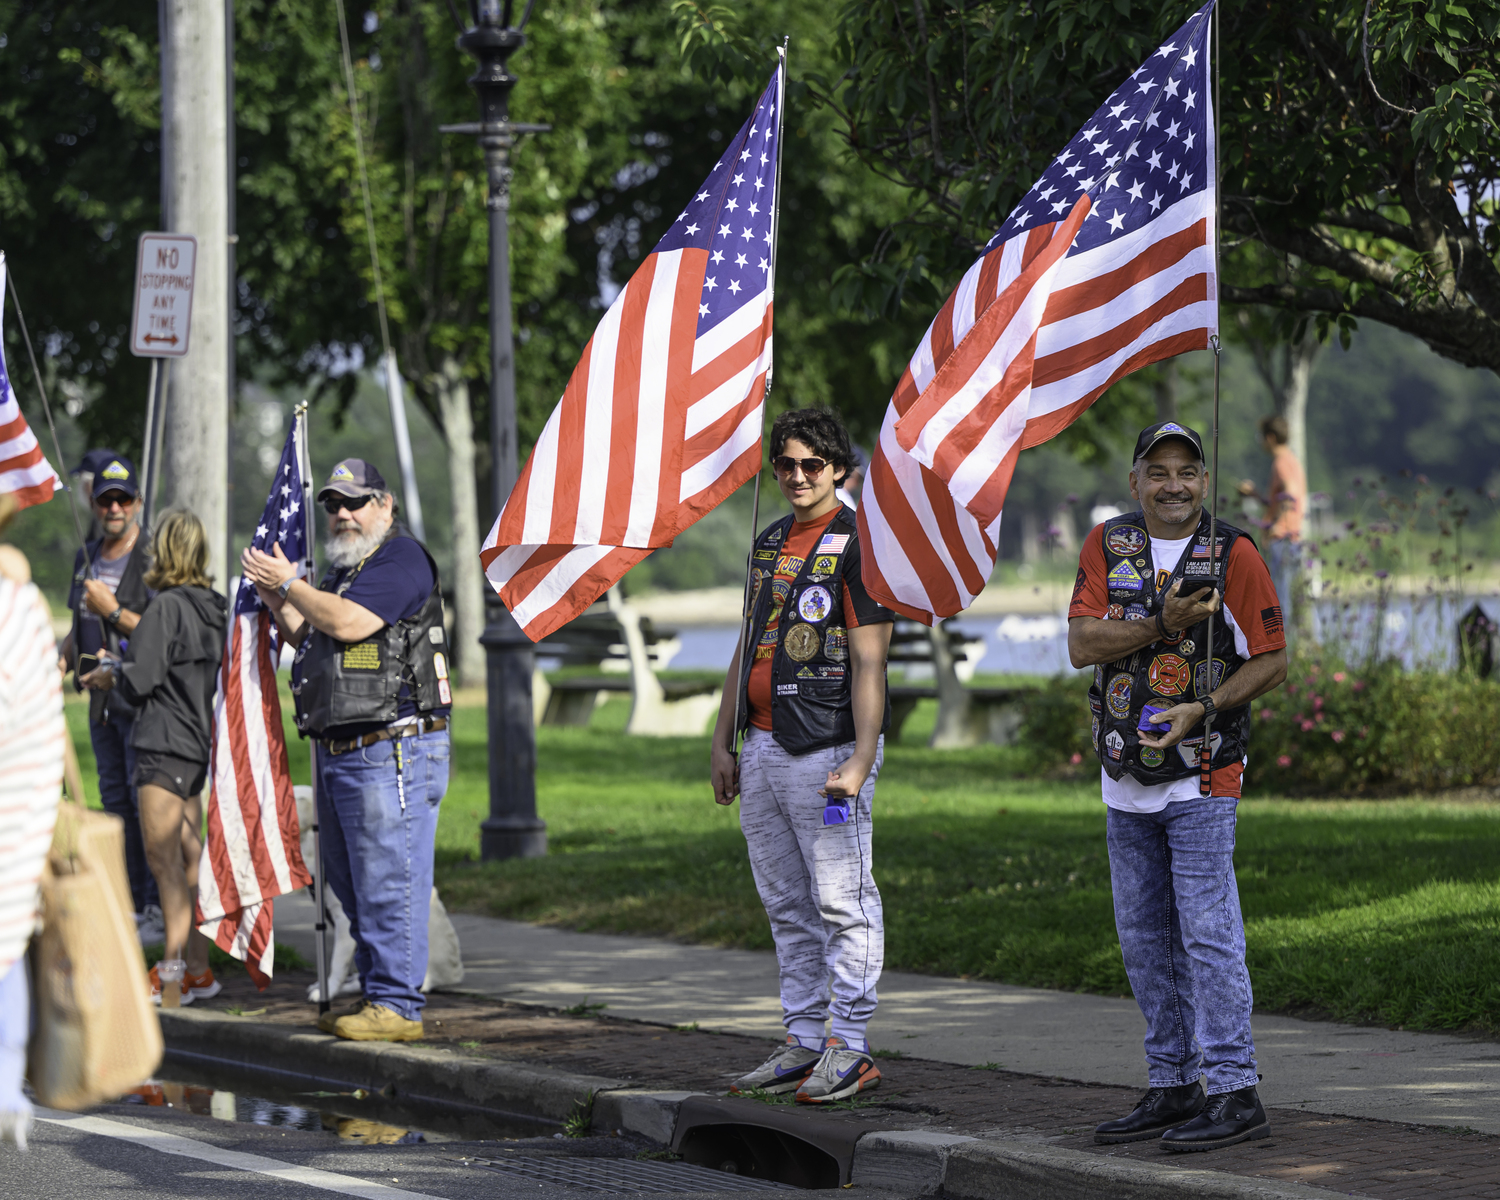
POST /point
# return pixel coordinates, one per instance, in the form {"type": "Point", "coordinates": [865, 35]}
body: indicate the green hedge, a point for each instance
{"type": "Point", "coordinates": [1330, 730]}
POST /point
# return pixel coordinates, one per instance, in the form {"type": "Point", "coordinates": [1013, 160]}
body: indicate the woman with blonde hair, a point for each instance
{"type": "Point", "coordinates": [168, 675]}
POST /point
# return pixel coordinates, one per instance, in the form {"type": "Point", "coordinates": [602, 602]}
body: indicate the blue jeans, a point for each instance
{"type": "Point", "coordinates": [1284, 557]}
{"type": "Point", "coordinates": [1177, 910]}
{"type": "Point", "coordinates": [377, 857]}
{"type": "Point", "coordinates": [115, 757]}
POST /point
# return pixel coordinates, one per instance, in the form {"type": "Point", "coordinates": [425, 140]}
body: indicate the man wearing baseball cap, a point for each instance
{"type": "Point", "coordinates": [371, 685]}
{"type": "Point", "coordinates": [107, 598]}
{"type": "Point", "coordinates": [1147, 583]}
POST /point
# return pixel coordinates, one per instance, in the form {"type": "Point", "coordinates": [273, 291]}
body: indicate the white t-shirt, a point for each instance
{"type": "Point", "coordinates": [1128, 793]}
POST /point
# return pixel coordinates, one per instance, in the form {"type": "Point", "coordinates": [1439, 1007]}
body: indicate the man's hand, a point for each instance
{"type": "Point", "coordinates": [725, 773]}
{"type": "Point", "coordinates": [267, 571]}
{"type": "Point", "coordinates": [1173, 724]}
{"type": "Point", "coordinates": [1247, 487]}
{"type": "Point", "coordinates": [102, 677]}
{"type": "Point", "coordinates": [1179, 612]}
{"type": "Point", "coordinates": [98, 596]}
{"type": "Point", "coordinates": [845, 780]}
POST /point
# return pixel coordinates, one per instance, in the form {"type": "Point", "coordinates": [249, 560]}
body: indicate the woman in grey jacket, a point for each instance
{"type": "Point", "coordinates": [168, 675]}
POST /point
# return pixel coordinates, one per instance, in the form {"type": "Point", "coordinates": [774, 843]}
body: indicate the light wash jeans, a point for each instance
{"type": "Point", "coordinates": [377, 857]}
{"type": "Point", "coordinates": [815, 883]}
{"type": "Point", "coordinates": [1177, 910]}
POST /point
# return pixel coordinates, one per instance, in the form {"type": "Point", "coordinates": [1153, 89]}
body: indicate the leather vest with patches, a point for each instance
{"type": "Point", "coordinates": [811, 679]}
{"type": "Point", "coordinates": [1170, 671]}
{"type": "Point", "coordinates": [338, 683]}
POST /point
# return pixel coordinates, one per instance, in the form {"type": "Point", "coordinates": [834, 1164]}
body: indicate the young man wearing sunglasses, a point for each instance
{"type": "Point", "coordinates": [371, 684]}
{"type": "Point", "coordinates": [813, 705]}
{"type": "Point", "coordinates": [109, 595]}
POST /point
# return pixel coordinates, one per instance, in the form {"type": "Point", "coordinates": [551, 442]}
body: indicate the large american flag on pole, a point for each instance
{"type": "Point", "coordinates": [25, 475]}
{"type": "Point", "coordinates": [1107, 264]}
{"type": "Point", "coordinates": [662, 417]}
{"type": "Point", "coordinates": [251, 854]}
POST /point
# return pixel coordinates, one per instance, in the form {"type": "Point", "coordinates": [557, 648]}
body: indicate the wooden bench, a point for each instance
{"type": "Point", "coordinates": [628, 650]}
{"type": "Point", "coordinates": [966, 716]}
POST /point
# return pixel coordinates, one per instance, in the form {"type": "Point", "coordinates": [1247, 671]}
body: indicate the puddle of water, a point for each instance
{"type": "Point", "coordinates": [357, 1116]}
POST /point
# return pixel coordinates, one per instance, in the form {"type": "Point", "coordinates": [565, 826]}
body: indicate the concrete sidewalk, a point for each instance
{"type": "Point", "coordinates": [1317, 1066]}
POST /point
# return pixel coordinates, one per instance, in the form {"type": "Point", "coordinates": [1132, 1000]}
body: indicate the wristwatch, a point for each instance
{"type": "Point", "coordinates": [1209, 709]}
{"type": "Point", "coordinates": [285, 587]}
{"type": "Point", "coordinates": [114, 617]}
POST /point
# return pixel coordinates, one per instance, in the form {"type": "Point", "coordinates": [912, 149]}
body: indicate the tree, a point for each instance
{"type": "Point", "coordinates": [1361, 150]}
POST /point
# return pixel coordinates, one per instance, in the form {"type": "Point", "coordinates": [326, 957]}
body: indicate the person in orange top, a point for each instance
{"type": "Point", "coordinates": [1286, 507]}
{"type": "Point", "coordinates": [815, 699]}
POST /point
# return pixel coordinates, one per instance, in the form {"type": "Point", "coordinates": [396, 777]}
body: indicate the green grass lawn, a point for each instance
{"type": "Point", "coordinates": [1385, 910]}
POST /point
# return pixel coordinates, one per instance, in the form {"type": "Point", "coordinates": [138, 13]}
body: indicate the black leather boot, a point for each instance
{"type": "Point", "coordinates": [1227, 1119]}
{"type": "Point", "coordinates": [1160, 1109]}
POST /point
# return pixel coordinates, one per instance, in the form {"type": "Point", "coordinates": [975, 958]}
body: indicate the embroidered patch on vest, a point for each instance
{"type": "Point", "coordinates": [1118, 697]}
{"type": "Point", "coordinates": [1188, 748]}
{"type": "Point", "coordinates": [832, 543]}
{"type": "Point", "coordinates": [1201, 684]}
{"type": "Point", "coordinates": [363, 657]}
{"type": "Point", "coordinates": [801, 642]}
{"type": "Point", "coordinates": [815, 604]}
{"type": "Point", "coordinates": [826, 564]}
{"type": "Point", "coordinates": [836, 643]}
{"type": "Point", "coordinates": [1114, 743]}
{"type": "Point", "coordinates": [1151, 756]}
{"type": "Point", "coordinates": [1125, 540]}
{"type": "Point", "coordinates": [1124, 578]}
{"type": "Point", "coordinates": [1168, 675]}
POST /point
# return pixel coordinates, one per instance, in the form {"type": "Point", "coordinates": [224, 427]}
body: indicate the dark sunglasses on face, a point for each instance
{"type": "Point", "coordinates": [353, 503]}
{"type": "Point", "coordinates": [110, 499]}
{"type": "Point", "coordinates": [811, 467]}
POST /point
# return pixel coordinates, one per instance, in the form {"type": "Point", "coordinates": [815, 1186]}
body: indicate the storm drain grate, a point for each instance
{"type": "Point", "coordinates": [626, 1175]}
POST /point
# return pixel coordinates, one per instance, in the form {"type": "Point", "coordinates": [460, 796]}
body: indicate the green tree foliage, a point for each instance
{"type": "Point", "coordinates": [1360, 160]}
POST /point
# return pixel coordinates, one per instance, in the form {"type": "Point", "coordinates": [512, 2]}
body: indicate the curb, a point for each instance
{"type": "Point", "coordinates": [916, 1162]}
{"type": "Point", "coordinates": [966, 1168]}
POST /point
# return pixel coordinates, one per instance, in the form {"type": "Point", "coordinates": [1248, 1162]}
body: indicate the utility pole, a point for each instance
{"type": "Point", "coordinates": [196, 177]}
{"type": "Point", "coordinates": [512, 830]}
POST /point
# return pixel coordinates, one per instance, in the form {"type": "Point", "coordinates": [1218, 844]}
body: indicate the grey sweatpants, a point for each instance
{"type": "Point", "coordinates": [815, 883]}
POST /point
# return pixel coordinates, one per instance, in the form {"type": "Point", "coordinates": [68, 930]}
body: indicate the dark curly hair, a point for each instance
{"type": "Point", "coordinates": [821, 430]}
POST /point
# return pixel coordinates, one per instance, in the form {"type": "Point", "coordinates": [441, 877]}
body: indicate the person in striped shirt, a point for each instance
{"type": "Point", "coordinates": [810, 690]}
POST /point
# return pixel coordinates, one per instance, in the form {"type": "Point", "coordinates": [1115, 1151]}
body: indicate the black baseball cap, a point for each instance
{"type": "Point", "coordinates": [94, 461]}
{"type": "Point", "coordinates": [114, 474]}
{"type": "Point", "coordinates": [1154, 435]}
{"type": "Point", "coordinates": [353, 477]}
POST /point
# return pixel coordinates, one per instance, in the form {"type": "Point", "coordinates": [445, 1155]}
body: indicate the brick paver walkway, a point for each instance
{"type": "Point", "coordinates": [1345, 1154]}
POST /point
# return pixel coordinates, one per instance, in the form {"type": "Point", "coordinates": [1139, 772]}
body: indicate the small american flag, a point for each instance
{"type": "Point", "coordinates": [252, 854]}
{"type": "Point", "coordinates": [1107, 264]}
{"type": "Point", "coordinates": [662, 417]}
{"type": "Point", "coordinates": [25, 474]}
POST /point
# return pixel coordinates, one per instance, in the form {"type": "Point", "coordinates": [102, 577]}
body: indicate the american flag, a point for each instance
{"type": "Point", "coordinates": [25, 474]}
{"type": "Point", "coordinates": [1107, 264]}
{"type": "Point", "coordinates": [662, 417]}
{"type": "Point", "coordinates": [252, 853]}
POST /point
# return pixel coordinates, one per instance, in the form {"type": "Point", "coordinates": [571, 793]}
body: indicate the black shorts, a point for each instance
{"type": "Point", "coordinates": [176, 775]}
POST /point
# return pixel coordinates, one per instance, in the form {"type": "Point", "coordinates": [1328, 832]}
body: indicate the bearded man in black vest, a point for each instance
{"type": "Point", "coordinates": [370, 681]}
{"type": "Point", "coordinates": [1147, 584]}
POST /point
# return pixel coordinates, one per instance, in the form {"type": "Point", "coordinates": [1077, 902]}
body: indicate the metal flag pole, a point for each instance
{"type": "Point", "coordinates": [745, 613]}
{"type": "Point", "coordinates": [1206, 751]}
{"type": "Point", "coordinates": [320, 921]}
{"type": "Point", "coordinates": [41, 388]}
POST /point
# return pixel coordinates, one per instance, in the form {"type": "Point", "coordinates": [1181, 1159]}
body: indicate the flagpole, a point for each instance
{"type": "Point", "coordinates": [320, 920]}
{"type": "Point", "coordinates": [745, 614]}
{"type": "Point", "coordinates": [1206, 752]}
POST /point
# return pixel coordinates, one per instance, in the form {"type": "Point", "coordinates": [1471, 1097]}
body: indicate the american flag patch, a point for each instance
{"type": "Point", "coordinates": [1271, 619]}
{"type": "Point", "coordinates": [833, 543]}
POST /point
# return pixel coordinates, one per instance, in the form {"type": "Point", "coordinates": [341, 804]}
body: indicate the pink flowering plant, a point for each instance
{"type": "Point", "coordinates": [1338, 730]}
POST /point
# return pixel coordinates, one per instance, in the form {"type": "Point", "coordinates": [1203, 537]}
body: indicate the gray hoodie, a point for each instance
{"type": "Point", "coordinates": [169, 671]}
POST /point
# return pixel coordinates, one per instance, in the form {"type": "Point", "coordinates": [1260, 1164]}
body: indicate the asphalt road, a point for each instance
{"type": "Point", "coordinates": [146, 1153]}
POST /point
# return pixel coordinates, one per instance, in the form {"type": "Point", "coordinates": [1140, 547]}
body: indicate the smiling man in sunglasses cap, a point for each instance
{"type": "Point", "coordinates": [370, 680]}
{"type": "Point", "coordinates": [814, 700]}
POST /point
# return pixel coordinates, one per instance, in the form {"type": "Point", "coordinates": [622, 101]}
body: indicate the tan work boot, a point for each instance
{"type": "Point", "coordinates": [326, 1020]}
{"type": "Point", "coordinates": [377, 1023]}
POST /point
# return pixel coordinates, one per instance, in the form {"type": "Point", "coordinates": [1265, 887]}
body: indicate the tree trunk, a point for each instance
{"type": "Point", "coordinates": [1165, 390]}
{"type": "Point", "coordinates": [1291, 399]}
{"type": "Point", "coordinates": [468, 580]}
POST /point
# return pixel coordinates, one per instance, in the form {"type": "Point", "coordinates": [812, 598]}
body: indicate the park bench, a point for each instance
{"type": "Point", "coordinates": [967, 716]}
{"type": "Point", "coordinates": [627, 651]}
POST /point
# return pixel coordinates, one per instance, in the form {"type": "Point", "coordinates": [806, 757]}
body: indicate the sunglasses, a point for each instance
{"type": "Point", "coordinates": [353, 503]}
{"type": "Point", "coordinates": [811, 467]}
{"type": "Point", "coordinates": [110, 499]}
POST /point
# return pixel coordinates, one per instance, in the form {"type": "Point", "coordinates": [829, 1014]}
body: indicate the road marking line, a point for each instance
{"type": "Point", "coordinates": [235, 1160]}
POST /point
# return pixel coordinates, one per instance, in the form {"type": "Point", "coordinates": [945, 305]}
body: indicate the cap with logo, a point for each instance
{"type": "Point", "coordinates": [114, 474]}
{"type": "Point", "coordinates": [353, 477]}
{"type": "Point", "coordinates": [93, 461]}
{"type": "Point", "coordinates": [1153, 435]}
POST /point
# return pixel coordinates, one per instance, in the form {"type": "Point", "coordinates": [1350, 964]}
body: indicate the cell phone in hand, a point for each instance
{"type": "Point", "coordinates": [86, 663]}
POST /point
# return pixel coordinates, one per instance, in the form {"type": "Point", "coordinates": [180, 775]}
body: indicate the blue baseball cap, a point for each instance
{"type": "Point", "coordinates": [115, 474]}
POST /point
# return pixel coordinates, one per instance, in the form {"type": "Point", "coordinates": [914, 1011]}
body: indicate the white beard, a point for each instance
{"type": "Point", "coordinates": [351, 547]}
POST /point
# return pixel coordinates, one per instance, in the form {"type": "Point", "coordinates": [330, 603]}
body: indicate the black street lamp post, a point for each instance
{"type": "Point", "coordinates": [512, 830]}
